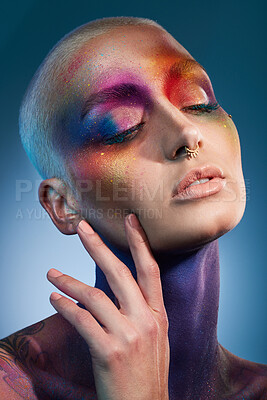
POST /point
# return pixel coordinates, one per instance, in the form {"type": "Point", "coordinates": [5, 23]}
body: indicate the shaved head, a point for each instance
{"type": "Point", "coordinates": [113, 108]}
{"type": "Point", "coordinates": [39, 121]}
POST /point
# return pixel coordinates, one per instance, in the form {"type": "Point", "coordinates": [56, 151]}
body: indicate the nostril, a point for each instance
{"type": "Point", "coordinates": [180, 152]}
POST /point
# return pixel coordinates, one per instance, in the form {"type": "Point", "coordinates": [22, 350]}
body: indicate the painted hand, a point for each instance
{"type": "Point", "coordinates": [129, 345]}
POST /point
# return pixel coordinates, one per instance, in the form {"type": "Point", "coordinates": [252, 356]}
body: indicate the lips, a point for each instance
{"type": "Point", "coordinates": [216, 182]}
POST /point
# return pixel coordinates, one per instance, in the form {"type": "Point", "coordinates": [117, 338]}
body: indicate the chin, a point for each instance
{"type": "Point", "coordinates": [175, 233]}
{"type": "Point", "coordinates": [197, 231]}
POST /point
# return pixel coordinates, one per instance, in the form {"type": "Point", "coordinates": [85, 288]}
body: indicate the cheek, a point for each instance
{"type": "Point", "coordinates": [227, 132]}
{"type": "Point", "coordinates": [107, 170]}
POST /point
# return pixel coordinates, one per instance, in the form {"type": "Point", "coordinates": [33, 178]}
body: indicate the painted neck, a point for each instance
{"type": "Point", "coordinates": [190, 284]}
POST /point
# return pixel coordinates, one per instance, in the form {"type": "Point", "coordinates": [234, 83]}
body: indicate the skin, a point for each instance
{"type": "Point", "coordinates": [137, 332]}
{"type": "Point", "coordinates": [174, 257]}
{"type": "Point", "coordinates": [146, 165]}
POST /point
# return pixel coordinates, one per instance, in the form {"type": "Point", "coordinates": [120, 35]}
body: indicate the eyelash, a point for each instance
{"type": "Point", "coordinates": [199, 108]}
{"type": "Point", "coordinates": [118, 138]}
{"type": "Point", "coordinates": [203, 107]}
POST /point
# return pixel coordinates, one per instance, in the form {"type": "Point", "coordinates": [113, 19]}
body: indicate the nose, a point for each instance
{"type": "Point", "coordinates": [189, 136]}
{"type": "Point", "coordinates": [179, 132]}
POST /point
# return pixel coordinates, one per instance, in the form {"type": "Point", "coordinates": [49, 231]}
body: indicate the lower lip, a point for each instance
{"type": "Point", "coordinates": [201, 190]}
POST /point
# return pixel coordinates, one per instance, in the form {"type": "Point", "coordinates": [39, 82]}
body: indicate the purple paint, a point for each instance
{"type": "Point", "coordinates": [190, 284]}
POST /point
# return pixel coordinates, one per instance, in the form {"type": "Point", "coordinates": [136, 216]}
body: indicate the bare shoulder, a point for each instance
{"type": "Point", "coordinates": [246, 379]}
{"type": "Point", "coordinates": [15, 380]}
{"type": "Point", "coordinates": [47, 360]}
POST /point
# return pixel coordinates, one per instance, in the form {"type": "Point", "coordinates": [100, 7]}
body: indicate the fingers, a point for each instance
{"type": "Point", "coordinates": [148, 272]}
{"type": "Point", "coordinates": [81, 319]}
{"type": "Point", "coordinates": [95, 300]}
{"type": "Point", "coordinates": [118, 275]}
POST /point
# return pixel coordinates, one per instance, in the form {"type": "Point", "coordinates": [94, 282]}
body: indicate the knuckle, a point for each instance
{"type": "Point", "coordinates": [62, 303]}
{"type": "Point", "coordinates": [133, 338]}
{"type": "Point", "coordinates": [123, 271]}
{"type": "Point", "coordinates": [65, 281]}
{"type": "Point", "coordinates": [94, 294]}
{"type": "Point", "coordinates": [97, 242]}
{"type": "Point", "coordinates": [80, 317]}
{"type": "Point", "coordinates": [140, 240]}
{"type": "Point", "coordinates": [113, 354]}
{"type": "Point", "coordinates": [151, 327]}
{"type": "Point", "coordinates": [153, 269]}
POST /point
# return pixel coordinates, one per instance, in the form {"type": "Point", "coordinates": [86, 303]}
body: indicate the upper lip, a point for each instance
{"type": "Point", "coordinates": [208, 171]}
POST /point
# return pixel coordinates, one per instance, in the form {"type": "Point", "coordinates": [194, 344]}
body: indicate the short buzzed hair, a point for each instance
{"type": "Point", "coordinates": [38, 122]}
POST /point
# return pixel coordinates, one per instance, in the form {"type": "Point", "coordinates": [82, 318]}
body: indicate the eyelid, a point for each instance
{"type": "Point", "coordinates": [123, 134]}
{"type": "Point", "coordinates": [118, 94]}
{"type": "Point", "coordinates": [202, 106]}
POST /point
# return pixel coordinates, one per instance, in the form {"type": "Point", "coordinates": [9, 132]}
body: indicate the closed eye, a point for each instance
{"type": "Point", "coordinates": [202, 108]}
{"type": "Point", "coordinates": [120, 137]}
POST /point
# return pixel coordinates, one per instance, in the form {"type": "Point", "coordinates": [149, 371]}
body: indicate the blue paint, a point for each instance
{"type": "Point", "coordinates": [92, 130]}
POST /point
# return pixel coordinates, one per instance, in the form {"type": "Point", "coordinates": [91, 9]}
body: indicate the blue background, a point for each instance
{"type": "Point", "coordinates": [228, 39]}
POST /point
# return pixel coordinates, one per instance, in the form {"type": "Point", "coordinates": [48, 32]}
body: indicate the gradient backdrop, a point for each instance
{"type": "Point", "coordinates": [229, 39]}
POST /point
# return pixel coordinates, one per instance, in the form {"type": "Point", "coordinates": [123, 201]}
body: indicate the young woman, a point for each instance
{"type": "Point", "coordinates": [120, 120]}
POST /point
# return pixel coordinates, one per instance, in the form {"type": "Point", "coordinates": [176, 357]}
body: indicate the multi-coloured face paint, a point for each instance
{"type": "Point", "coordinates": [127, 110]}
{"type": "Point", "coordinates": [186, 84]}
{"type": "Point", "coordinates": [110, 112]}
{"type": "Point", "coordinates": [115, 112]}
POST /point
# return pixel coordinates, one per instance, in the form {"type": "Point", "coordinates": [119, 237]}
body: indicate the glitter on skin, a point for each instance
{"type": "Point", "coordinates": [150, 155]}
{"type": "Point", "coordinates": [195, 89]}
{"type": "Point", "coordinates": [191, 86]}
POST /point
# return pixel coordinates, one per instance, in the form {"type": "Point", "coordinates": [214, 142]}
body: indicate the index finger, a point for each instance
{"type": "Point", "coordinates": [118, 275]}
{"type": "Point", "coordinates": [148, 272]}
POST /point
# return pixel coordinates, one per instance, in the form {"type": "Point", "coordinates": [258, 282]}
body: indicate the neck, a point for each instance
{"type": "Point", "coordinates": [190, 284]}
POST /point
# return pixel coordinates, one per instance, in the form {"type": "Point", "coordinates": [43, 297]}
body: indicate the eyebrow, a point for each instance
{"type": "Point", "coordinates": [129, 91]}
{"type": "Point", "coordinates": [181, 67]}
{"type": "Point", "coordinates": [119, 92]}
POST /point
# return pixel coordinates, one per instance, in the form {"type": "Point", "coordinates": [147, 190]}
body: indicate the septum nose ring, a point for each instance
{"type": "Point", "coordinates": [192, 153]}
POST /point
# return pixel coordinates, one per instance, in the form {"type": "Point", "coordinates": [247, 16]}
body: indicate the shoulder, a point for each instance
{"type": "Point", "coordinates": [247, 379]}
{"type": "Point", "coordinates": [45, 361]}
{"type": "Point", "coordinates": [15, 381]}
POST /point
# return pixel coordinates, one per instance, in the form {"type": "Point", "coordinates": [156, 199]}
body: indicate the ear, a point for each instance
{"type": "Point", "coordinates": [56, 199]}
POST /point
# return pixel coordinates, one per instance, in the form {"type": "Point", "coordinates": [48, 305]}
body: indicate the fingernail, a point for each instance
{"type": "Point", "coordinates": [54, 273]}
{"type": "Point", "coordinates": [132, 219]}
{"type": "Point", "coordinates": [84, 227]}
{"type": "Point", "coordinates": [55, 296]}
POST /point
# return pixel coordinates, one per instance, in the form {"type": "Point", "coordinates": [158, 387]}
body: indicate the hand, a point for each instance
{"type": "Point", "coordinates": [129, 345]}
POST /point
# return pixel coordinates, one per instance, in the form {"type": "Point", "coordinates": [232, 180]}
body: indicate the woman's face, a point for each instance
{"type": "Point", "coordinates": [125, 148]}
